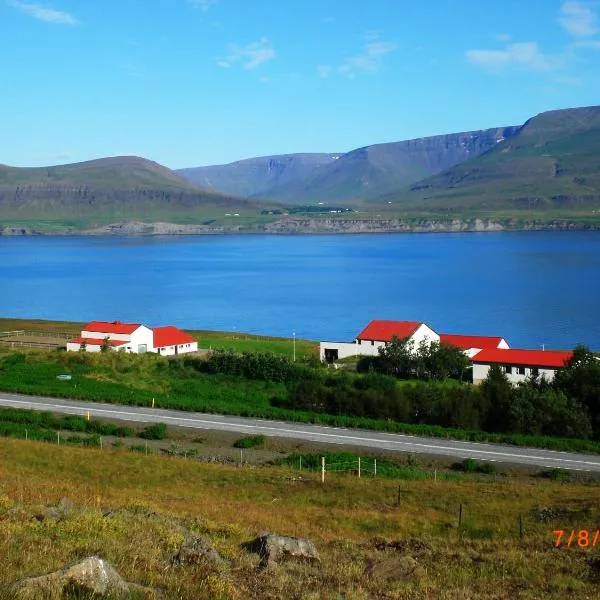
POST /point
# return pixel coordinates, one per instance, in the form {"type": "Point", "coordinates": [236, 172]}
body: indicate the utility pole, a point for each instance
{"type": "Point", "coordinates": [294, 334]}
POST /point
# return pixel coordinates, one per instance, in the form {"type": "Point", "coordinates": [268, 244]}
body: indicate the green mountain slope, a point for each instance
{"type": "Point", "coordinates": [551, 164]}
{"type": "Point", "coordinates": [102, 191]}
{"type": "Point", "coordinates": [381, 168]}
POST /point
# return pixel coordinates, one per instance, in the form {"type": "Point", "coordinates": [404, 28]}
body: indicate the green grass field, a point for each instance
{"type": "Point", "coordinates": [504, 547]}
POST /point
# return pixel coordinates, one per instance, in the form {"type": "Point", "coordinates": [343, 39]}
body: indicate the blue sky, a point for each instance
{"type": "Point", "coordinates": [198, 82]}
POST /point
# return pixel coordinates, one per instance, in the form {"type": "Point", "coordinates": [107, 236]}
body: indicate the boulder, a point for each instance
{"type": "Point", "coordinates": [271, 548]}
{"type": "Point", "coordinates": [395, 568]}
{"type": "Point", "coordinates": [196, 550]}
{"type": "Point", "coordinates": [56, 513]}
{"type": "Point", "coordinates": [92, 576]}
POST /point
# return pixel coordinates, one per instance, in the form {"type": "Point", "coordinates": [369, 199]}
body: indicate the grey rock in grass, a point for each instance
{"type": "Point", "coordinates": [395, 568]}
{"type": "Point", "coordinates": [56, 513]}
{"type": "Point", "coordinates": [92, 576]}
{"type": "Point", "coordinates": [272, 548]}
{"type": "Point", "coordinates": [196, 550]}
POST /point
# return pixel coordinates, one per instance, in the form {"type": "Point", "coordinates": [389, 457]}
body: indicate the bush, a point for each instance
{"type": "Point", "coordinates": [251, 441]}
{"type": "Point", "coordinates": [470, 465]}
{"type": "Point", "coordinates": [158, 431]}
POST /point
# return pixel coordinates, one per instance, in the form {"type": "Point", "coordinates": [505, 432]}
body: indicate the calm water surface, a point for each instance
{"type": "Point", "coordinates": [532, 288]}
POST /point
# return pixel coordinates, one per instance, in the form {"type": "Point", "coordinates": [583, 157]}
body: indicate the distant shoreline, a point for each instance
{"type": "Point", "coordinates": [308, 226]}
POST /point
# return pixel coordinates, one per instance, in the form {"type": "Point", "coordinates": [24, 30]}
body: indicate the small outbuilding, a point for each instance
{"type": "Point", "coordinates": [519, 365]}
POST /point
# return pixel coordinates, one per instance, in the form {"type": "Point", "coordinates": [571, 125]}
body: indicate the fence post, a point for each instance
{"type": "Point", "coordinates": [374, 467]}
{"type": "Point", "coordinates": [241, 457]}
{"type": "Point", "coordinates": [26, 434]}
{"type": "Point", "coordinates": [398, 500]}
{"type": "Point", "coordinates": [521, 526]}
{"type": "Point", "coordinates": [359, 467]}
{"type": "Point", "coordinates": [435, 474]}
{"type": "Point", "coordinates": [460, 515]}
{"type": "Point", "coordinates": [100, 442]}
{"type": "Point", "coordinates": [58, 438]}
{"type": "Point", "coordinates": [301, 462]}
{"type": "Point", "coordinates": [322, 469]}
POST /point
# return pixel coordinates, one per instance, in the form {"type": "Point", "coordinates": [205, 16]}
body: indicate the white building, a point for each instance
{"type": "Point", "coordinates": [169, 341]}
{"type": "Point", "coordinates": [473, 344]}
{"type": "Point", "coordinates": [519, 365]}
{"type": "Point", "coordinates": [134, 338]}
{"type": "Point", "coordinates": [375, 335]}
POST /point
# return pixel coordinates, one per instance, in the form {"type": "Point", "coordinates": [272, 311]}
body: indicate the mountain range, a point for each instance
{"type": "Point", "coordinates": [547, 168]}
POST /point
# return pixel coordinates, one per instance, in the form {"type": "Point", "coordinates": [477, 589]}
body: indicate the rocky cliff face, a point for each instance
{"type": "Point", "coordinates": [255, 176]}
{"type": "Point", "coordinates": [383, 168]}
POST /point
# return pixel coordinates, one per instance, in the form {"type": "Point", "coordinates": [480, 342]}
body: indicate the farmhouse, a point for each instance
{"type": "Point", "coordinates": [473, 344]}
{"type": "Point", "coordinates": [134, 338]}
{"type": "Point", "coordinates": [375, 335]}
{"type": "Point", "coordinates": [519, 364]}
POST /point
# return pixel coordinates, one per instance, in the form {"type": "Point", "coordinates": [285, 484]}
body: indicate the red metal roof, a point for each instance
{"type": "Point", "coordinates": [96, 341]}
{"type": "Point", "coordinates": [384, 331]}
{"type": "Point", "coordinates": [532, 358]}
{"type": "Point", "coordinates": [170, 336]}
{"type": "Point", "coordinates": [465, 342]}
{"type": "Point", "coordinates": [111, 327]}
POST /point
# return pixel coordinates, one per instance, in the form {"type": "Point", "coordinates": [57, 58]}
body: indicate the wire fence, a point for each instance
{"type": "Point", "coordinates": [50, 334]}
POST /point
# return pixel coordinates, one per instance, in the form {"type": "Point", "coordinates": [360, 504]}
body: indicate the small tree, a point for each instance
{"type": "Point", "coordinates": [82, 346]}
{"type": "Point", "coordinates": [105, 347]}
{"type": "Point", "coordinates": [397, 357]}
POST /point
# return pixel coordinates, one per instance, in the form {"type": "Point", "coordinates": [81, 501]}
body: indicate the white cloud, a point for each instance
{"type": "Point", "coordinates": [324, 71]}
{"type": "Point", "coordinates": [578, 19]}
{"type": "Point", "coordinates": [252, 55]}
{"type": "Point", "coordinates": [593, 44]}
{"type": "Point", "coordinates": [369, 60]}
{"type": "Point", "coordinates": [203, 5]}
{"type": "Point", "coordinates": [43, 13]}
{"type": "Point", "coordinates": [504, 37]}
{"type": "Point", "coordinates": [524, 55]}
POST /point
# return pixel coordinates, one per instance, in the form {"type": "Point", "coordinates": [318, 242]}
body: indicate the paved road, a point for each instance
{"type": "Point", "coordinates": [314, 433]}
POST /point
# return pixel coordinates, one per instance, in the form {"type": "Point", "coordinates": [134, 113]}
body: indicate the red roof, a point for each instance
{"type": "Point", "coordinates": [96, 341]}
{"type": "Point", "coordinates": [532, 358]}
{"type": "Point", "coordinates": [170, 336]}
{"type": "Point", "coordinates": [384, 331]}
{"type": "Point", "coordinates": [114, 327]}
{"type": "Point", "coordinates": [465, 342]}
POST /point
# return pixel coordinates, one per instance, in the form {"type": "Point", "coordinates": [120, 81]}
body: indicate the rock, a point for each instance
{"type": "Point", "coordinates": [196, 550]}
{"type": "Point", "coordinates": [395, 568]}
{"type": "Point", "coordinates": [56, 513]}
{"type": "Point", "coordinates": [92, 575]}
{"type": "Point", "coordinates": [272, 548]}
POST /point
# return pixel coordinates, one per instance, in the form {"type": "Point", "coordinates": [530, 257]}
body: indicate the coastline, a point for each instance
{"type": "Point", "coordinates": [307, 226]}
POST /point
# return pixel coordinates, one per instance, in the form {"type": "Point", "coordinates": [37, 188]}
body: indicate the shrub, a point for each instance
{"type": "Point", "coordinates": [158, 431]}
{"type": "Point", "coordinates": [251, 441]}
{"type": "Point", "coordinates": [470, 465]}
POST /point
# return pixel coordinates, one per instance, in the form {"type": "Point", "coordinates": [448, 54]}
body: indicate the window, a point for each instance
{"type": "Point", "coordinates": [372, 342]}
{"type": "Point", "coordinates": [359, 341]}
{"type": "Point", "coordinates": [535, 372]}
{"type": "Point", "coordinates": [521, 370]}
{"type": "Point", "coordinates": [508, 369]}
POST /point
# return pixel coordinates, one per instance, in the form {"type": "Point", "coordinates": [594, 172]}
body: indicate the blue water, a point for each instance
{"type": "Point", "coordinates": [532, 288]}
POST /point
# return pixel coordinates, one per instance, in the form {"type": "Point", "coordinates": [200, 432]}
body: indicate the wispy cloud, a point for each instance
{"type": "Point", "coordinates": [593, 44]}
{"type": "Point", "coordinates": [369, 60]}
{"type": "Point", "coordinates": [203, 5]}
{"type": "Point", "coordinates": [578, 19]}
{"type": "Point", "coordinates": [252, 55]}
{"type": "Point", "coordinates": [44, 13]}
{"type": "Point", "coordinates": [324, 71]}
{"type": "Point", "coordinates": [524, 55]}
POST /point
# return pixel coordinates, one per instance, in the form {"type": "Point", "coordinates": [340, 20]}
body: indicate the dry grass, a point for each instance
{"type": "Point", "coordinates": [345, 518]}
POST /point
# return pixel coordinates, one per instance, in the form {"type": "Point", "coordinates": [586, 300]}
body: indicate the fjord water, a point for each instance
{"type": "Point", "coordinates": [533, 288]}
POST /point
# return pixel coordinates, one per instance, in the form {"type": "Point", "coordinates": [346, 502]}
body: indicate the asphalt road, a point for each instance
{"type": "Point", "coordinates": [315, 433]}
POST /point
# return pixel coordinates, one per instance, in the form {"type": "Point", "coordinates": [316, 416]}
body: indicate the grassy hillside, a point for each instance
{"type": "Point", "coordinates": [374, 170]}
{"type": "Point", "coordinates": [361, 533]}
{"type": "Point", "coordinates": [550, 166]}
{"type": "Point", "coordinates": [98, 192]}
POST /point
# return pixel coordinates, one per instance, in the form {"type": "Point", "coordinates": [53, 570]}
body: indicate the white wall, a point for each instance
{"type": "Point", "coordinates": [346, 349]}
{"type": "Point", "coordinates": [181, 349]}
{"type": "Point", "coordinates": [71, 347]}
{"type": "Point", "coordinates": [480, 372]}
{"type": "Point", "coordinates": [424, 333]}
